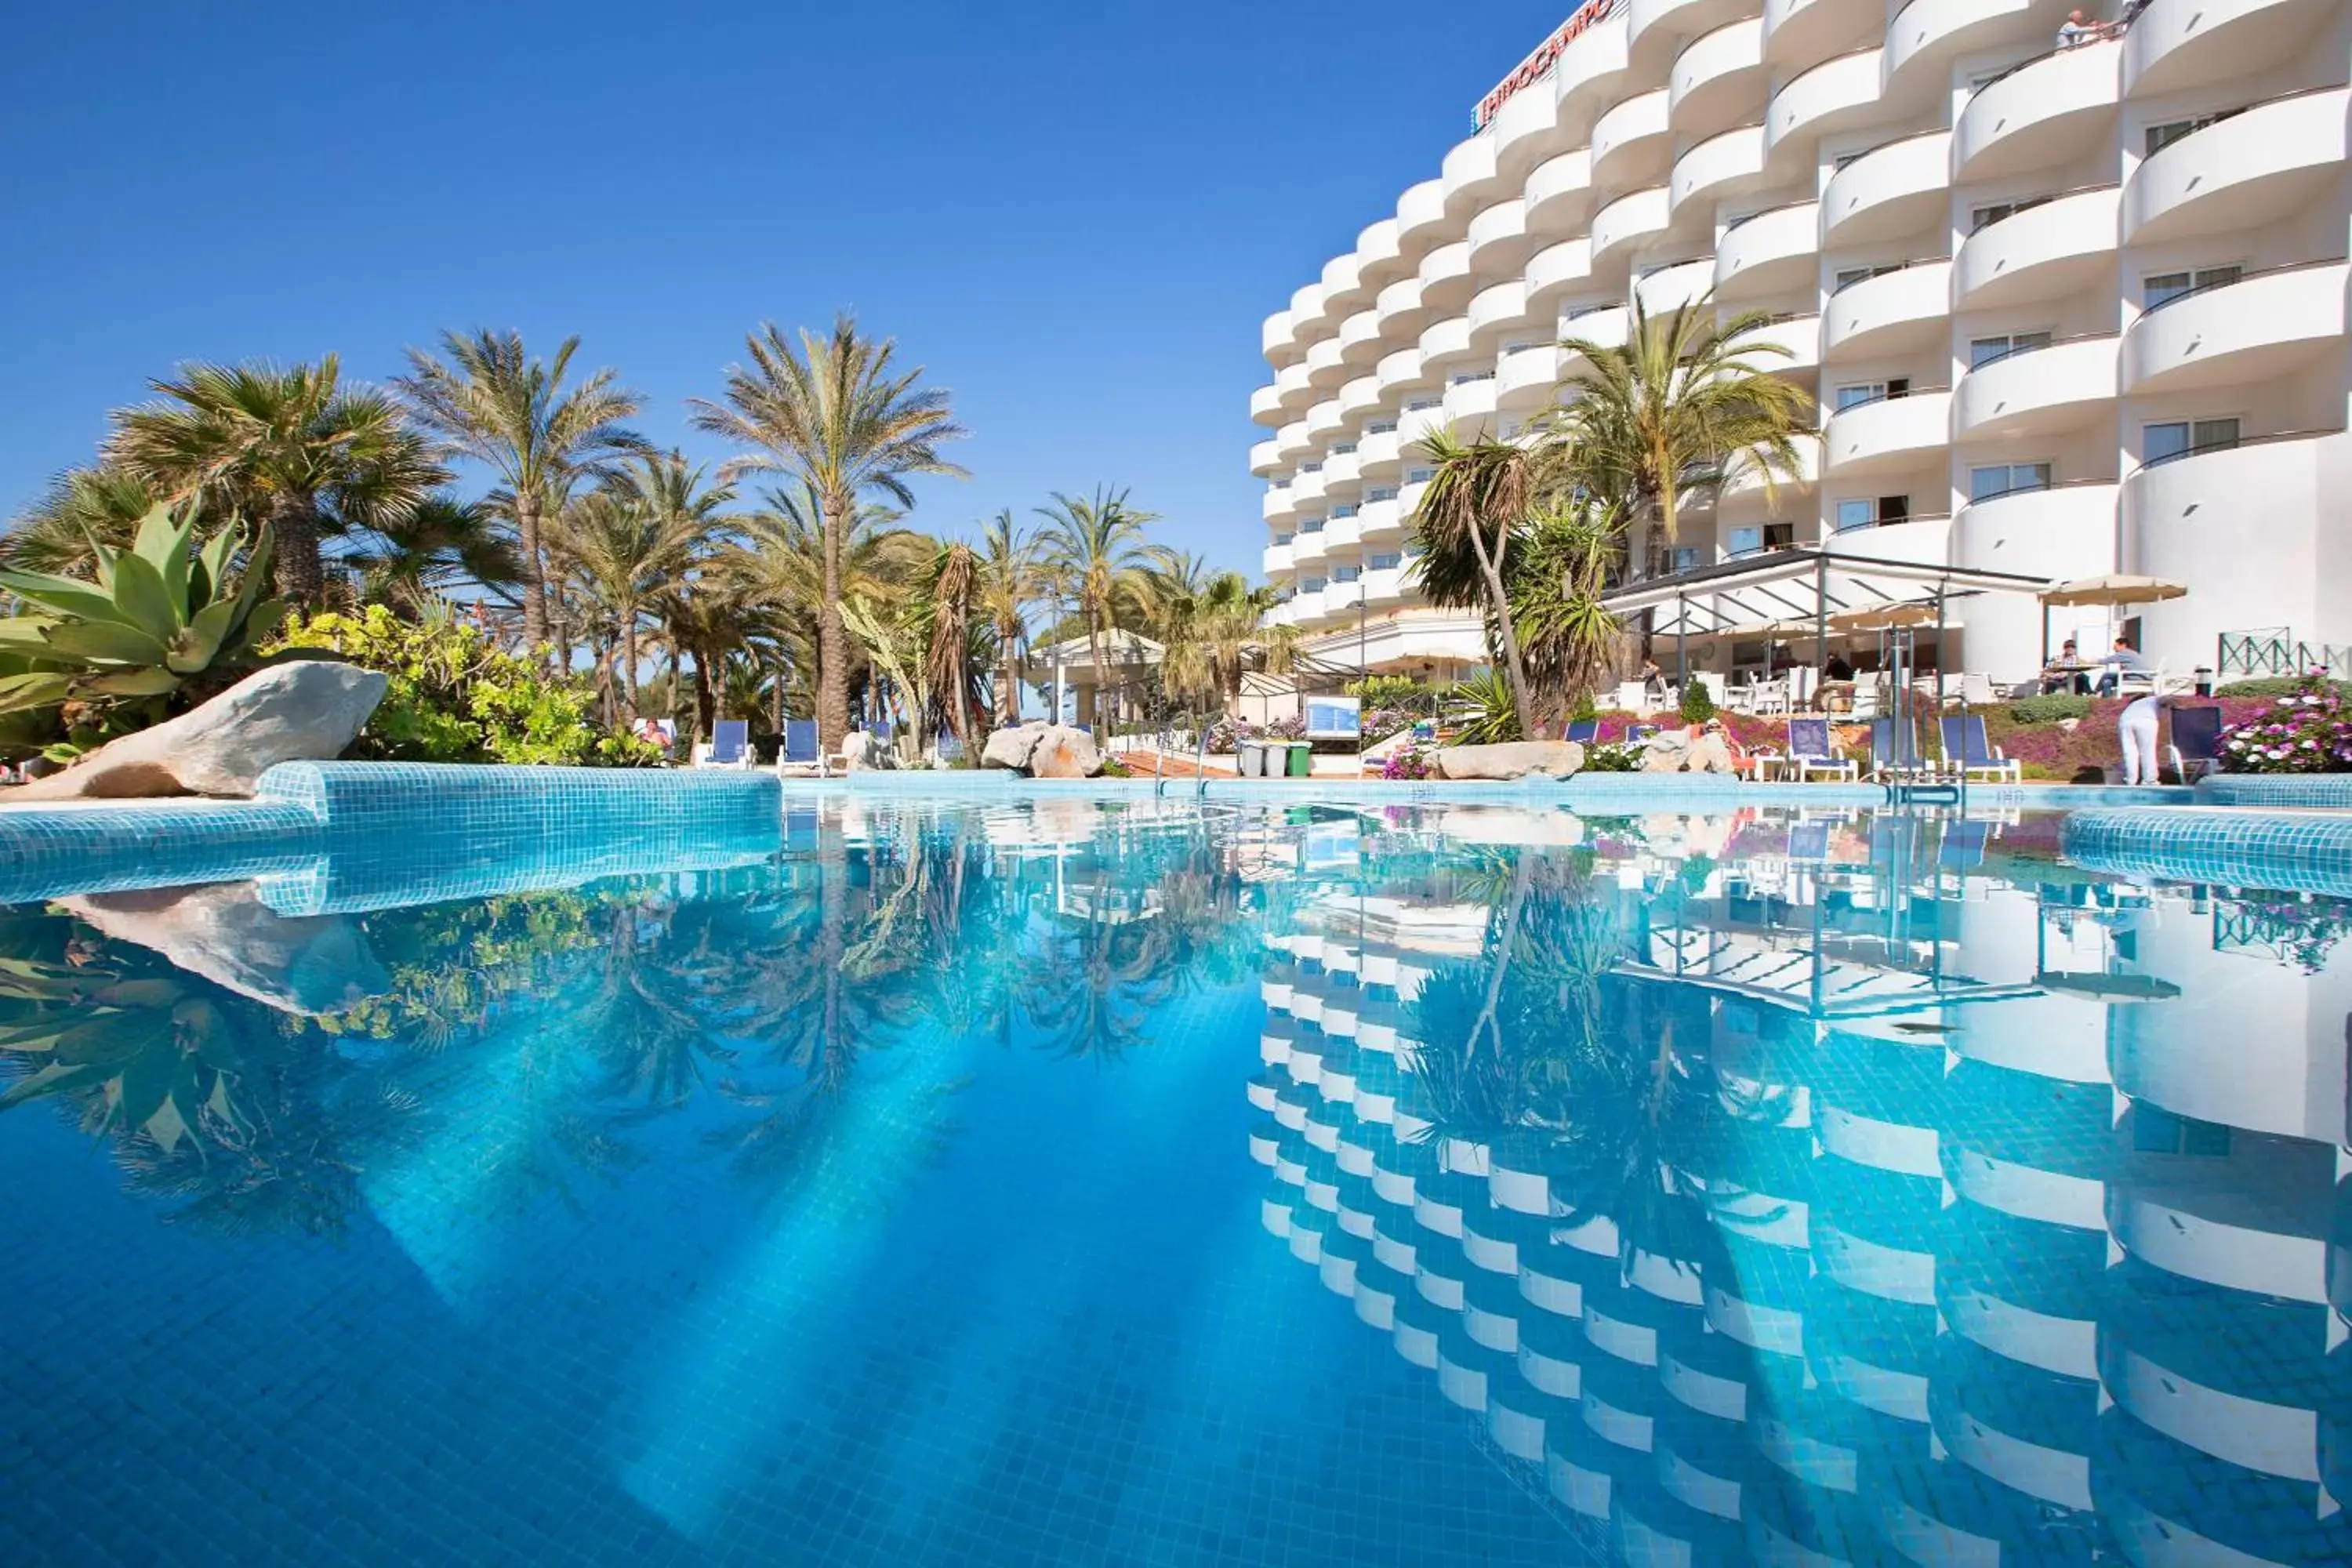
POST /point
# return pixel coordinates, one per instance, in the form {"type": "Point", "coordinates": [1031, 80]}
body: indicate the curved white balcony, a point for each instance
{"type": "Point", "coordinates": [1526, 130]}
{"type": "Point", "coordinates": [1381, 519]}
{"type": "Point", "coordinates": [1383, 585]}
{"type": "Point", "coordinates": [1527, 377]}
{"type": "Point", "coordinates": [2257, 1435]}
{"type": "Point", "coordinates": [1891, 433]}
{"type": "Point", "coordinates": [1841, 91]}
{"type": "Point", "coordinates": [1718, 80]}
{"type": "Point", "coordinates": [1278, 505]}
{"type": "Point", "coordinates": [1343, 285]}
{"type": "Point", "coordinates": [2269, 325]}
{"type": "Point", "coordinates": [1266, 406]}
{"type": "Point", "coordinates": [1898, 310]}
{"type": "Point", "coordinates": [1468, 401]}
{"type": "Point", "coordinates": [2040, 113]}
{"type": "Point", "coordinates": [2042, 253]}
{"type": "Point", "coordinates": [2197, 519]}
{"type": "Point", "coordinates": [1608, 328]}
{"type": "Point", "coordinates": [1653, 26]}
{"type": "Point", "coordinates": [1468, 176]}
{"type": "Point", "coordinates": [1420, 219]}
{"type": "Point", "coordinates": [1343, 597]}
{"type": "Point", "coordinates": [1306, 550]}
{"type": "Point", "coordinates": [1922, 541]}
{"type": "Point", "coordinates": [1446, 346]}
{"type": "Point", "coordinates": [2215, 1249]}
{"type": "Point", "coordinates": [1417, 425]}
{"type": "Point", "coordinates": [1718, 167]}
{"type": "Point", "coordinates": [1325, 368]}
{"type": "Point", "coordinates": [1342, 535]}
{"type": "Point", "coordinates": [1378, 262]}
{"type": "Point", "coordinates": [1557, 268]}
{"type": "Point", "coordinates": [1264, 456]}
{"type": "Point", "coordinates": [1445, 283]}
{"type": "Point", "coordinates": [1294, 386]}
{"type": "Point", "coordinates": [1628, 221]}
{"type": "Point", "coordinates": [1630, 142]}
{"type": "Point", "coordinates": [1308, 318]}
{"type": "Point", "coordinates": [2063, 533]}
{"type": "Point", "coordinates": [1499, 239]}
{"type": "Point", "coordinates": [1308, 488]}
{"type": "Point", "coordinates": [1275, 558]}
{"type": "Point", "coordinates": [1290, 442]}
{"type": "Point", "coordinates": [1274, 340]}
{"type": "Point", "coordinates": [1324, 421]}
{"type": "Point", "coordinates": [1379, 451]}
{"type": "Point", "coordinates": [2173, 46]}
{"type": "Point", "coordinates": [1306, 609]}
{"type": "Point", "coordinates": [1896, 189]}
{"type": "Point", "coordinates": [1750, 484]}
{"type": "Point", "coordinates": [1669, 288]}
{"type": "Point", "coordinates": [1801, 33]}
{"type": "Point", "coordinates": [1341, 471]}
{"type": "Point", "coordinates": [1359, 338]}
{"type": "Point", "coordinates": [1800, 335]}
{"type": "Point", "coordinates": [1403, 308]}
{"type": "Point", "coordinates": [2240, 173]}
{"type": "Point", "coordinates": [1559, 192]}
{"type": "Point", "coordinates": [1591, 71]}
{"type": "Point", "coordinates": [2039, 392]}
{"type": "Point", "coordinates": [1927, 36]}
{"type": "Point", "coordinates": [1400, 372]}
{"type": "Point", "coordinates": [1500, 312]}
{"type": "Point", "coordinates": [1768, 252]}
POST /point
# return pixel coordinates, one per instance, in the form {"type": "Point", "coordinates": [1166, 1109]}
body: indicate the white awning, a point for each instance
{"type": "Point", "coordinates": [1809, 586]}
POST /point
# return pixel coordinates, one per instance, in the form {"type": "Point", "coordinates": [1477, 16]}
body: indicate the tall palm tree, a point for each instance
{"type": "Point", "coordinates": [494, 403]}
{"type": "Point", "coordinates": [1214, 629]}
{"type": "Point", "coordinates": [290, 445]}
{"type": "Point", "coordinates": [653, 521]}
{"type": "Point", "coordinates": [1096, 548]}
{"type": "Point", "coordinates": [1011, 577]}
{"type": "Point", "coordinates": [777, 567]}
{"type": "Point", "coordinates": [1566, 637]}
{"type": "Point", "coordinates": [954, 585]}
{"type": "Point", "coordinates": [1478, 499]}
{"type": "Point", "coordinates": [82, 509]}
{"type": "Point", "coordinates": [836, 411]}
{"type": "Point", "coordinates": [1673, 411]}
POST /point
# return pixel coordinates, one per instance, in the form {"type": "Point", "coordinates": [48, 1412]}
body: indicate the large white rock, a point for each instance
{"type": "Point", "coordinates": [861, 750]}
{"type": "Point", "coordinates": [304, 711]}
{"type": "Point", "coordinates": [1666, 751]}
{"type": "Point", "coordinates": [1510, 760]}
{"type": "Point", "coordinates": [1044, 750]}
{"type": "Point", "coordinates": [1011, 746]}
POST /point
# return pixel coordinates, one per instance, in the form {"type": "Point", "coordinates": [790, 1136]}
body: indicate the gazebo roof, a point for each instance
{"type": "Point", "coordinates": [1802, 586]}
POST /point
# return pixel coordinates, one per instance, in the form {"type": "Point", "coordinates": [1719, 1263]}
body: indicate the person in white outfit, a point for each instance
{"type": "Point", "coordinates": [2137, 729]}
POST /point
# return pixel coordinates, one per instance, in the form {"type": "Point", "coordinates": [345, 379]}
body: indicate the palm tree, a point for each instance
{"type": "Point", "coordinates": [441, 544]}
{"type": "Point", "coordinates": [1674, 409]}
{"type": "Point", "coordinates": [1567, 637]}
{"type": "Point", "coordinates": [838, 413]}
{"type": "Point", "coordinates": [778, 568]}
{"type": "Point", "coordinates": [954, 583]}
{"type": "Point", "coordinates": [289, 445]}
{"type": "Point", "coordinates": [1011, 576]}
{"type": "Point", "coordinates": [1212, 626]}
{"type": "Point", "coordinates": [624, 556]}
{"type": "Point", "coordinates": [1096, 548]}
{"type": "Point", "coordinates": [81, 510]}
{"type": "Point", "coordinates": [1478, 499]}
{"type": "Point", "coordinates": [495, 404]}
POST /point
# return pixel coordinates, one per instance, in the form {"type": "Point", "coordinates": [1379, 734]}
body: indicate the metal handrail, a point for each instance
{"type": "Point", "coordinates": [2243, 277]}
{"type": "Point", "coordinates": [1888, 397]}
{"type": "Point", "coordinates": [1887, 268]}
{"type": "Point", "coordinates": [2016, 349]}
{"type": "Point", "coordinates": [2206, 447]}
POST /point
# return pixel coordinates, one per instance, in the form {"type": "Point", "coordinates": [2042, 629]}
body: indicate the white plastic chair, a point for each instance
{"type": "Point", "coordinates": [1976, 689]}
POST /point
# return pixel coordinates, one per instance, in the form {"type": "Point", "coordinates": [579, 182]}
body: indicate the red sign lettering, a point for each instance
{"type": "Point", "coordinates": [1538, 65]}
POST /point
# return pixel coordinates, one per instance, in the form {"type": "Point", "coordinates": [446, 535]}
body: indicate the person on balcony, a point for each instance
{"type": "Point", "coordinates": [2076, 29]}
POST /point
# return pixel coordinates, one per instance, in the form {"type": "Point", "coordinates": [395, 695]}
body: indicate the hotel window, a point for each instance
{"type": "Point", "coordinates": [1839, 164]}
{"type": "Point", "coordinates": [2160, 137]}
{"type": "Point", "coordinates": [1387, 561]}
{"type": "Point", "coordinates": [1419, 476]}
{"type": "Point", "coordinates": [1418, 404]}
{"type": "Point", "coordinates": [1666, 562]}
{"type": "Point", "coordinates": [1311, 525]}
{"type": "Point", "coordinates": [1310, 467]}
{"type": "Point", "coordinates": [2006, 478]}
{"type": "Point", "coordinates": [1281, 539]}
{"type": "Point", "coordinates": [1985, 216]}
{"type": "Point", "coordinates": [1382, 427]}
{"type": "Point", "coordinates": [1867, 512]}
{"type": "Point", "coordinates": [1343, 449]}
{"type": "Point", "coordinates": [1523, 345]}
{"type": "Point", "coordinates": [2163, 288]}
{"type": "Point", "coordinates": [1855, 393]}
{"type": "Point", "coordinates": [1380, 492]}
{"type": "Point", "coordinates": [1985, 351]}
{"type": "Point", "coordinates": [1314, 585]}
{"type": "Point", "coordinates": [1770, 536]}
{"type": "Point", "coordinates": [2185, 438]}
{"type": "Point", "coordinates": [1342, 511]}
{"type": "Point", "coordinates": [1464, 377]}
{"type": "Point", "coordinates": [1280, 485]}
{"type": "Point", "coordinates": [1847, 276]}
{"type": "Point", "coordinates": [1346, 573]}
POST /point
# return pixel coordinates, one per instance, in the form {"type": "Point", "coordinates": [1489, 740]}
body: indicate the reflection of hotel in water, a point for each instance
{"type": "Point", "coordinates": [2024, 1256]}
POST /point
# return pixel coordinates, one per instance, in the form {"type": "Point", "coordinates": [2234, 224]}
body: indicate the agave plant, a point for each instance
{"type": "Point", "coordinates": [155, 617]}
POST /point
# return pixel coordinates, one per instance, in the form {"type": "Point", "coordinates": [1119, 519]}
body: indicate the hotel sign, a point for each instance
{"type": "Point", "coordinates": [1538, 66]}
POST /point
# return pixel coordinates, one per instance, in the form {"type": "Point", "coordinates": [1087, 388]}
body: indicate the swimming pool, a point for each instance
{"type": "Point", "coordinates": [1125, 1180]}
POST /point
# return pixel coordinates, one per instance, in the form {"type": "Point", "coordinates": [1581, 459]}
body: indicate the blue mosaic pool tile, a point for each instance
{"type": "Point", "coordinates": [46, 851]}
{"type": "Point", "coordinates": [2298, 852]}
{"type": "Point", "coordinates": [2325, 791]}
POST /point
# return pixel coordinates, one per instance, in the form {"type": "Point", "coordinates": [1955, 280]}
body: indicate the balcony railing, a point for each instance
{"type": "Point", "coordinates": [2277, 651]}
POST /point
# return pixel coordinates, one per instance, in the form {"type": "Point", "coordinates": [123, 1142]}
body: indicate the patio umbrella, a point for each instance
{"type": "Point", "coordinates": [1878, 617]}
{"type": "Point", "coordinates": [2113, 588]}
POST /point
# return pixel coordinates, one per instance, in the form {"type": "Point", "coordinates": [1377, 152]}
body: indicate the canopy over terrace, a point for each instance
{"type": "Point", "coordinates": [1827, 591]}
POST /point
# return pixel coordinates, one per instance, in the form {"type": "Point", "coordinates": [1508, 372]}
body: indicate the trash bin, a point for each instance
{"type": "Point", "coordinates": [1249, 759]}
{"type": "Point", "coordinates": [1302, 759]}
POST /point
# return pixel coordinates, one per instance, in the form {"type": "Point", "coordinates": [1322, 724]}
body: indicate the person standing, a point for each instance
{"type": "Point", "coordinates": [2136, 729]}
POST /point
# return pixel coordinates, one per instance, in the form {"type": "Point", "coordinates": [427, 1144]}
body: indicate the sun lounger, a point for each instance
{"type": "Point", "coordinates": [1969, 752]}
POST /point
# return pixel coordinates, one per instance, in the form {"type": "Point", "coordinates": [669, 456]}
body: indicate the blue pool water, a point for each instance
{"type": "Point", "coordinates": [1138, 1182]}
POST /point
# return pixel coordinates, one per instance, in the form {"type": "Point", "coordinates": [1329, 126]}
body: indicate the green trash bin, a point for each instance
{"type": "Point", "coordinates": [1302, 760]}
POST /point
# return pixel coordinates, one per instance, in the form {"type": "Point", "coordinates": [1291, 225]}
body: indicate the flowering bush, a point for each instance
{"type": "Point", "coordinates": [1292, 729]}
{"type": "Point", "coordinates": [1407, 762]}
{"type": "Point", "coordinates": [1612, 757]}
{"type": "Point", "coordinates": [2308, 732]}
{"type": "Point", "coordinates": [1380, 723]}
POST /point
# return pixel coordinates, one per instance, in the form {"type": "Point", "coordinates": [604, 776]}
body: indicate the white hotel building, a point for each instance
{"type": "Point", "coordinates": [2065, 310]}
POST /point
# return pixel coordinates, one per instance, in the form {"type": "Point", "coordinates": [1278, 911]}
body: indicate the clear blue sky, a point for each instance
{"type": "Point", "coordinates": [1077, 215]}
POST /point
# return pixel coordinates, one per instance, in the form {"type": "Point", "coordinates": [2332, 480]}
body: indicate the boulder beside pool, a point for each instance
{"type": "Point", "coordinates": [1044, 750]}
{"type": "Point", "coordinates": [1511, 760]}
{"type": "Point", "coordinates": [304, 711]}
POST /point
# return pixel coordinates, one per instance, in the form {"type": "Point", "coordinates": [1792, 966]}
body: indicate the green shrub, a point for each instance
{"type": "Point", "coordinates": [2276, 686]}
{"type": "Point", "coordinates": [1587, 709]}
{"type": "Point", "coordinates": [1486, 709]}
{"type": "Point", "coordinates": [2050, 708]}
{"type": "Point", "coordinates": [1390, 692]}
{"type": "Point", "coordinates": [456, 697]}
{"type": "Point", "coordinates": [1698, 702]}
